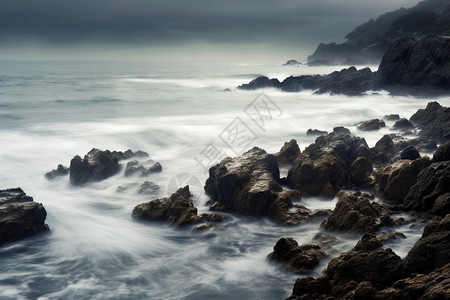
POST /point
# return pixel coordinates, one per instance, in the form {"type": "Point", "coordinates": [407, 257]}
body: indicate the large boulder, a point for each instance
{"type": "Point", "coordinates": [432, 250]}
{"type": "Point", "coordinates": [370, 125]}
{"type": "Point", "coordinates": [434, 122]}
{"type": "Point", "coordinates": [20, 217]}
{"type": "Point", "coordinates": [416, 66]}
{"type": "Point", "coordinates": [395, 180]}
{"type": "Point", "coordinates": [433, 183]}
{"type": "Point", "coordinates": [288, 153]}
{"type": "Point", "coordinates": [354, 212]}
{"type": "Point", "coordinates": [178, 209]}
{"type": "Point", "coordinates": [95, 166]}
{"type": "Point", "coordinates": [299, 259]}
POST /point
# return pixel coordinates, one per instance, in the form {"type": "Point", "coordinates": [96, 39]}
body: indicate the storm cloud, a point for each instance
{"type": "Point", "coordinates": [174, 21]}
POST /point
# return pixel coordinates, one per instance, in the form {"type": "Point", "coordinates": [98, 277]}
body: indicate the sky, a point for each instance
{"type": "Point", "coordinates": [133, 27]}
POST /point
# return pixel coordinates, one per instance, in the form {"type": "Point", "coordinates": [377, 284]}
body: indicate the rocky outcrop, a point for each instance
{"type": "Point", "coordinates": [395, 180]}
{"type": "Point", "coordinates": [59, 171]}
{"type": "Point", "coordinates": [299, 259]}
{"type": "Point", "coordinates": [20, 217]}
{"type": "Point", "coordinates": [434, 122]}
{"type": "Point", "coordinates": [432, 250]}
{"type": "Point", "coordinates": [288, 153]}
{"type": "Point", "coordinates": [384, 150]}
{"type": "Point", "coordinates": [178, 209]}
{"type": "Point", "coordinates": [442, 153]}
{"type": "Point", "coordinates": [354, 212]}
{"type": "Point", "coordinates": [370, 125]}
{"type": "Point", "coordinates": [134, 167]}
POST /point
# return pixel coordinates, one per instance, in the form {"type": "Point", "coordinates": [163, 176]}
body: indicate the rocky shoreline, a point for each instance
{"type": "Point", "coordinates": [336, 164]}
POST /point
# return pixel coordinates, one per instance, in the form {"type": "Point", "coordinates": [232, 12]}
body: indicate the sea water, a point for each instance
{"type": "Point", "coordinates": [183, 114]}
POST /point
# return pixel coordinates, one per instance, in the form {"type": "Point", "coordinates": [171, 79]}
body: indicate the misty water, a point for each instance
{"type": "Point", "coordinates": [52, 111]}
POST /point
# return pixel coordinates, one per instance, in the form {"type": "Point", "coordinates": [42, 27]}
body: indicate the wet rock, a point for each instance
{"type": "Point", "coordinates": [59, 171]}
{"type": "Point", "coordinates": [432, 182]}
{"type": "Point", "coordinates": [370, 125]}
{"type": "Point", "coordinates": [315, 132]}
{"type": "Point", "coordinates": [409, 153]}
{"type": "Point", "coordinates": [341, 130]}
{"type": "Point", "coordinates": [325, 240]}
{"type": "Point", "coordinates": [155, 168]}
{"type": "Point", "coordinates": [261, 82]}
{"type": "Point", "coordinates": [368, 242]}
{"type": "Point", "coordinates": [95, 166]}
{"type": "Point", "coordinates": [128, 154]}
{"type": "Point", "coordinates": [442, 153]}
{"type": "Point", "coordinates": [299, 259]}
{"type": "Point", "coordinates": [434, 122]}
{"type": "Point", "coordinates": [287, 153]}
{"type": "Point", "coordinates": [178, 209]}
{"type": "Point", "coordinates": [361, 169]}
{"type": "Point", "coordinates": [395, 180]}
{"type": "Point", "coordinates": [281, 210]}
{"type": "Point", "coordinates": [384, 150]}
{"type": "Point", "coordinates": [403, 124]}
{"type": "Point", "coordinates": [354, 212]}
{"type": "Point", "coordinates": [392, 117]}
{"type": "Point", "coordinates": [134, 167]}
{"type": "Point", "coordinates": [432, 250]}
{"type": "Point", "coordinates": [20, 217]}
{"type": "Point", "coordinates": [148, 188]}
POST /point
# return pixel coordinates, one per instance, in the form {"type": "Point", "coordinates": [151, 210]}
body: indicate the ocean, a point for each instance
{"type": "Point", "coordinates": [182, 114]}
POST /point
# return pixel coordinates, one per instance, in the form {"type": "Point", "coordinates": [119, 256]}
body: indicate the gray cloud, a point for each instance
{"type": "Point", "coordinates": [174, 21]}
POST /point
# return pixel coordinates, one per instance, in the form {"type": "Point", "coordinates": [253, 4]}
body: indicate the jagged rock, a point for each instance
{"type": "Point", "coordinates": [316, 132]}
{"type": "Point", "coordinates": [59, 171]}
{"type": "Point", "coordinates": [432, 250]}
{"type": "Point", "coordinates": [178, 209]}
{"type": "Point", "coordinates": [148, 188]}
{"type": "Point", "coordinates": [155, 168]}
{"type": "Point", "coordinates": [261, 82]}
{"type": "Point", "coordinates": [442, 153]}
{"type": "Point", "coordinates": [370, 125]}
{"type": "Point", "coordinates": [434, 122]}
{"type": "Point", "coordinates": [395, 180]}
{"type": "Point", "coordinates": [20, 217]}
{"type": "Point", "coordinates": [391, 117]}
{"type": "Point", "coordinates": [128, 154]}
{"type": "Point", "coordinates": [299, 259]}
{"type": "Point", "coordinates": [403, 124]}
{"type": "Point", "coordinates": [368, 242]}
{"type": "Point", "coordinates": [410, 153]}
{"type": "Point", "coordinates": [353, 212]}
{"type": "Point", "coordinates": [287, 153]}
{"type": "Point", "coordinates": [384, 150]}
{"type": "Point", "coordinates": [134, 167]}
{"type": "Point", "coordinates": [432, 182]}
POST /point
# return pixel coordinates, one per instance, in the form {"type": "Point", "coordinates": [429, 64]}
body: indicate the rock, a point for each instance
{"type": "Point", "coordinates": [292, 62]}
{"type": "Point", "coordinates": [95, 166]}
{"type": "Point", "coordinates": [442, 153]}
{"type": "Point", "coordinates": [381, 267]}
{"type": "Point", "coordinates": [434, 122]}
{"type": "Point", "coordinates": [403, 124]}
{"type": "Point", "coordinates": [287, 153]}
{"type": "Point", "coordinates": [325, 240]}
{"type": "Point", "coordinates": [156, 168]}
{"type": "Point", "coordinates": [354, 213]}
{"type": "Point", "coordinates": [361, 169]}
{"type": "Point", "coordinates": [410, 153]}
{"type": "Point", "coordinates": [370, 125]}
{"type": "Point", "coordinates": [178, 209]}
{"type": "Point", "coordinates": [261, 82]}
{"type": "Point", "coordinates": [395, 180]}
{"type": "Point", "coordinates": [59, 171]}
{"type": "Point", "coordinates": [432, 250]}
{"type": "Point", "coordinates": [384, 150]}
{"type": "Point", "coordinates": [316, 132]}
{"type": "Point", "coordinates": [20, 217]}
{"type": "Point", "coordinates": [148, 188]}
{"type": "Point", "coordinates": [312, 287]}
{"type": "Point", "coordinates": [128, 154]}
{"type": "Point", "coordinates": [392, 117]}
{"type": "Point", "coordinates": [134, 167]}
{"type": "Point", "coordinates": [368, 242]}
{"type": "Point", "coordinates": [299, 259]}
{"type": "Point", "coordinates": [418, 67]}
{"type": "Point", "coordinates": [341, 130]}
{"type": "Point", "coordinates": [432, 182]}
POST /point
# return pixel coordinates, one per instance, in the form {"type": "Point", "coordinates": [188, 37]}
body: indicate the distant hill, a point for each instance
{"type": "Point", "coordinates": [368, 42]}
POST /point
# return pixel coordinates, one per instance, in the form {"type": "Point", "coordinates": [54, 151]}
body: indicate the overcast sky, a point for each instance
{"type": "Point", "coordinates": [288, 24]}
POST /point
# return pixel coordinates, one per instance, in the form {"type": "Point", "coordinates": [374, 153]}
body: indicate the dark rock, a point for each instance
{"type": "Point", "coordinates": [381, 267]}
{"type": "Point", "coordinates": [432, 250]}
{"type": "Point", "coordinates": [325, 240]}
{"type": "Point", "coordinates": [361, 169]}
{"type": "Point", "coordinates": [416, 66]}
{"type": "Point", "coordinates": [299, 259]}
{"type": "Point", "coordinates": [314, 287]}
{"type": "Point", "coordinates": [392, 117]}
{"type": "Point", "coordinates": [178, 209]}
{"type": "Point", "coordinates": [353, 213]}
{"type": "Point", "coordinates": [148, 188]}
{"type": "Point", "coordinates": [434, 122]}
{"type": "Point", "coordinates": [316, 132]}
{"type": "Point", "coordinates": [292, 62]}
{"type": "Point", "coordinates": [370, 125]}
{"type": "Point", "coordinates": [95, 166]}
{"type": "Point", "coordinates": [403, 124]}
{"type": "Point", "coordinates": [395, 180]}
{"type": "Point", "coordinates": [281, 209]}
{"type": "Point", "coordinates": [261, 82]}
{"type": "Point", "coordinates": [341, 130]}
{"type": "Point", "coordinates": [134, 167]}
{"type": "Point", "coordinates": [368, 242]}
{"type": "Point", "coordinates": [20, 217]}
{"type": "Point", "coordinates": [128, 154]}
{"type": "Point", "coordinates": [442, 153]}
{"type": "Point", "coordinates": [384, 150]}
{"type": "Point", "coordinates": [288, 153]}
{"type": "Point", "coordinates": [410, 153]}
{"type": "Point", "coordinates": [432, 182]}
{"type": "Point", "coordinates": [59, 171]}
{"type": "Point", "coordinates": [156, 168]}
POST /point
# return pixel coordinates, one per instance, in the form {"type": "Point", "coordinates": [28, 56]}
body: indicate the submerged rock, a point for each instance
{"type": "Point", "coordinates": [370, 125]}
{"type": "Point", "coordinates": [20, 217]}
{"type": "Point", "coordinates": [59, 171]}
{"type": "Point", "coordinates": [316, 132]}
